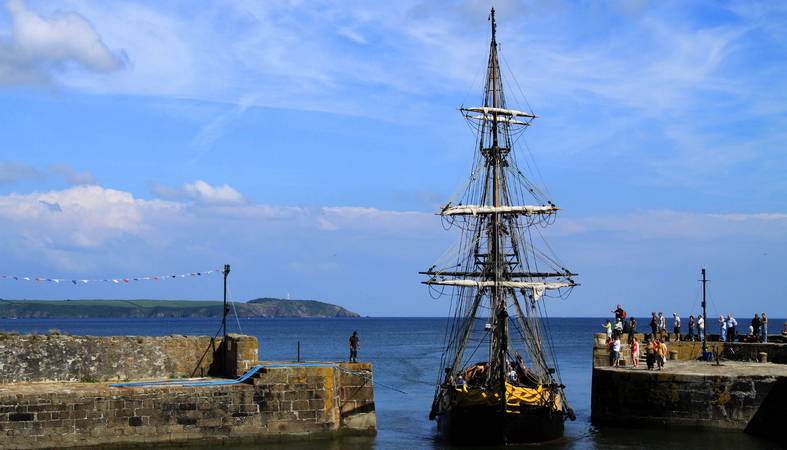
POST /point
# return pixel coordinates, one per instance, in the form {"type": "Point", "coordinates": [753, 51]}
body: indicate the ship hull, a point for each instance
{"type": "Point", "coordinates": [484, 424]}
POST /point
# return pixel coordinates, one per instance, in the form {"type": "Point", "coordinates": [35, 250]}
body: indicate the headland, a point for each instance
{"type": "Point", "coordinates": [260, 307]}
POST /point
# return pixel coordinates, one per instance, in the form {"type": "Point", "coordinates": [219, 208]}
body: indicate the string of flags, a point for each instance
{"type": "Point", "coordinates": [122, 280]}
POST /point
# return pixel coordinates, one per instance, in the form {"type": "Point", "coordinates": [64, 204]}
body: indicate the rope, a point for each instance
{"type": "Point", "coordinates": [237, 320]}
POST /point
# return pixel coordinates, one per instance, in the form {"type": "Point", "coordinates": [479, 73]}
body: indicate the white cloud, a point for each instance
{"type": "Point", "coordinates": [201, 192]}
{"type": "Point", "coordinates": [669, 225]}
{"type": "Point", "coordinates": [77, 226]}
{"type": "Point", "coordinates": [82, 217]}
{"type": "Point", "coordinates": [40, 45]}
{"type": "Point", "coordinates": [353, 217]}
{"type": "Point", "coordinates": [211, 132]}
{"type": "Point", "coordinates": [348, 251]}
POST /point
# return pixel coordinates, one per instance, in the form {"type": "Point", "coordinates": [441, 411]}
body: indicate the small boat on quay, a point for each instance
{"type": "Point", "coordinates": [498, 381]}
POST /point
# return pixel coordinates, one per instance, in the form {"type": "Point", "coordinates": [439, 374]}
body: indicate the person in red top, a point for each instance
{"type": "Point", "coordinates": [619, 313]}
{"type": "Point", "coordinates": [635, 352]}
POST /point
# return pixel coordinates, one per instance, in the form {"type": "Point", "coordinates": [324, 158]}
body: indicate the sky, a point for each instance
{"type": "Point", "coordinates": [309, 145]}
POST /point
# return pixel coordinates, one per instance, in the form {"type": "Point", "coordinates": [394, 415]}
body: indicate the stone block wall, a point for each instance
{"type": "Point", "coordinates": [356, 397]}
{"type": "Point", "coordinates": [686, 400]}
{"type": "Point", "coordinates": [242, 354]}
{"type": "Point", "coordinates": [100, 358]}
{"type": "Point", "coordinates": [282, 402]}
{"type": "Point", "coordinates": [735, 395]}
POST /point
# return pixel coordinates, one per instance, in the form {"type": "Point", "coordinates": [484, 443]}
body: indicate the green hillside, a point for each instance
{"type": "Point", "coordinates": [265, 307]}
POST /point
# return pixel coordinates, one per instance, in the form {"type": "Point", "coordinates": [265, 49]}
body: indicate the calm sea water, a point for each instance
{"type": "Point", "coordinates": [406, 354]}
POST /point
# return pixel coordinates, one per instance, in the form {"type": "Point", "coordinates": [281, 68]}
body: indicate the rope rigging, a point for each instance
{"type": "Point", "coordinates": [496, 211]}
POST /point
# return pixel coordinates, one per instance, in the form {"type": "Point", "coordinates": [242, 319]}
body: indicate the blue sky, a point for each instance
{"type": "Point", "coordinates": [309, 144]}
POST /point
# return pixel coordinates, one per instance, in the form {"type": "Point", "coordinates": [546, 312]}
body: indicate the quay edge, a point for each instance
{"type": "Point", "coordinates": [285, 401]}
{"type": "Point", "coordinates": [689, 393]}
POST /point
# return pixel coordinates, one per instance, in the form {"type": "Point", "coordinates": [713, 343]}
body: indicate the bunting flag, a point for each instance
{"type": "Point", "coordinates": [119, 280]}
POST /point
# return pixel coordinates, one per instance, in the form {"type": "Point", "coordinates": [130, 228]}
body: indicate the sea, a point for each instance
{"type": "Point", "coordinates": [406, 356]}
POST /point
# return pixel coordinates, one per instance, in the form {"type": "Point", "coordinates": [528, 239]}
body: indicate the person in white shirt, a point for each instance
{"type": "Point", "coordinates": [676, 326]}
{"type": "Point", "coordinates": [701, 327]}
{"type": "Point", "coordinates": [731, 324]}
{"type": "Point", "coordinates": [616, 351]}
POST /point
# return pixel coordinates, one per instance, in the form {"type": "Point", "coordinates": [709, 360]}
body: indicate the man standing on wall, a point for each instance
{"type": "Point", "coordinates": [355, 342]}
{"type": "Point", "coordinates": [731, 324]}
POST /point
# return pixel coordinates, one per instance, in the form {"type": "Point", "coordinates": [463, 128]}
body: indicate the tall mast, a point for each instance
{"type": "Point", "coordinates": [497, 258]}
{"type": "Point", "coordinates": [498, 301]}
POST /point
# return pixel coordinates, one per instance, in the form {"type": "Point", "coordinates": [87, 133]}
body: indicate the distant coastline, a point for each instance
{"type": "Point", "coordinates": [261, 307]}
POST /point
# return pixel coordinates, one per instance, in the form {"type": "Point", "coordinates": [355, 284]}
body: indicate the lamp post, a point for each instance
{"type": "Point", "coordinates": [226, 310]}
{"type": "Point", "coordinates": [704, 316]}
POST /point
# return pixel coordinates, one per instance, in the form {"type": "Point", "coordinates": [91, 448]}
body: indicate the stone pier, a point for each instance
{"type": "Point", "coordinates": [41, 406]}
{"type": "Point", "coordinates": [734, 395]}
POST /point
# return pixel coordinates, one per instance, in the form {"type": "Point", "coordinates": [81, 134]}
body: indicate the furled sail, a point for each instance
{"type": "Point", "coordinates": [488, 110]}
{"type": "Point", "coordinates": [503, 284]}
{"type": "Point", "coordinates": [473, 210]}
{"type": "Point", "coordinates": [497, 119]}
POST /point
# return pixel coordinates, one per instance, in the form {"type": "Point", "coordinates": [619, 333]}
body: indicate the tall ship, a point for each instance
{"type": "Point", "coordinates": [498, 381]}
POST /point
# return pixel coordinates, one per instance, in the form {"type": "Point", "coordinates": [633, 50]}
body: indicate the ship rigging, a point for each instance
{"type": "Point", "coordinates": [498, 280]}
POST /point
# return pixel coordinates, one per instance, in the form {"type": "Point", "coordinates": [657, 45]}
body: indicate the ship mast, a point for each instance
{"type": "Point", "coordinates": [498, 264]}
{"type": "Point", "coordinates": [500, 341]}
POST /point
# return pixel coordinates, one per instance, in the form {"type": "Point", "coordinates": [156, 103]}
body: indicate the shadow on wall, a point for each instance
{"type": "Point", "coordinates": [768, 422]}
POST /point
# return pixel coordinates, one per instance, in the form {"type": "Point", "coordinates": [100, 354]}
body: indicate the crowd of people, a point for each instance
{"type": "Point", "coordinates": [656, 341]}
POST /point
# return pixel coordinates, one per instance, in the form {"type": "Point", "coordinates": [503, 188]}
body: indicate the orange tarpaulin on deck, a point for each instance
{"type": "Point", "coordinates": [515, 396]}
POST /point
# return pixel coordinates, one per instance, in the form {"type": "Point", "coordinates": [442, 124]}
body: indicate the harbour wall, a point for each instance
{"type": "Point", "coordinates": [44, 408]}
{"type": "Point", "coordinates": [57, 357]}
{"type": "Point", "coordinates": [739, 394]}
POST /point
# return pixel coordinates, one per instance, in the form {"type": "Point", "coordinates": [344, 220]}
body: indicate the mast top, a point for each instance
{"type": "Point", "coordinates": [494, 24]}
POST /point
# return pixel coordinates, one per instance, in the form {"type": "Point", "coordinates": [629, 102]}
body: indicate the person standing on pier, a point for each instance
{"type": "Point", "coordinates": [650, 352]}
{"type": "Point", "coordinates": [632, 329]}
{"type": "Point", "coordinates": [722, 329]}
{"type": "Point", "coordinates": [755, 326]}
{"type": "Point", "coordinates": [701, 327]}
{"type": "Point", "coordinates": [654, 324]}
{"type": "Point", "coordinates": [731, 324]}
{"type": "Point", "coordinates": [691, 327]}
{"type": "Point", "coordinates": [616, 350]}
{"type": "Point", "coordinates": [620, 314]}
{"type": "Point", "coordinates": [676, 326]}
{"type": "Point", "coordinates": [619, 326]}
{"type": "Point", "coordinates": [355, 342]}
{"type": "Point", "coordinates": [764, 334]}
{"type": "Point", "coordinates": [634, 351]}
{"type": "Point", "coordinates": [661, 354]}
{"type": "Point", "coordinates": [608, 327]}
{"type": "Point", "coordinates": [662, 325]}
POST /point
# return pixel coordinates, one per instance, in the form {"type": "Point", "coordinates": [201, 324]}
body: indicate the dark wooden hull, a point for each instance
{"type": "Point", "coordinates": [485, 425]}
